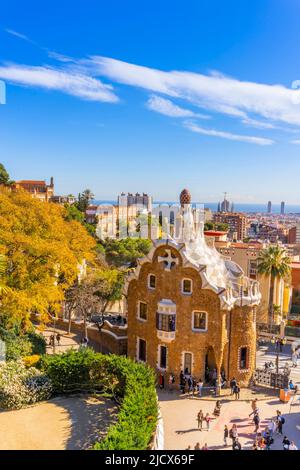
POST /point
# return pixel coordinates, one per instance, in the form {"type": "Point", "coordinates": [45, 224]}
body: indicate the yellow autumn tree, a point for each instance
{"type": "Point", "coordinates": [43, 252]}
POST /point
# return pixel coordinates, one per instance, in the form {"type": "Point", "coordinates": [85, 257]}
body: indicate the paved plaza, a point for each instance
{"type": "Point", "coordinates": [180, 420]}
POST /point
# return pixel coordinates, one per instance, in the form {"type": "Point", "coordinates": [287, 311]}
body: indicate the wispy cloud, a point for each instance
{"type": "Point", "coordinates": [296, 141]}
{"type": "Point", "coordinates": [18, 35]}
{"type": "Point", "coordinates": [67, 81]}
{"type": "Point", "coordinates": [227, 135]}
{"type": "Point", "coordinates": [258, 124]}
{"type": "Point", "coordinates": [215, 92]}
{"type": "Point", "coordinates": [168, 108]}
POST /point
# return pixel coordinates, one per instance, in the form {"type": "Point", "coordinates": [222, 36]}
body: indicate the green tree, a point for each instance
{"type": "Point", "coordinates": [73, 213]}
{"type": "Point", "coordinates": [4, 176]}
{"type": "Point", "coordinates": [84, 199]}
{"type": "Point", "coordinates": [125, 252]}
{"type": "Point", "coordinates": [273, 262]}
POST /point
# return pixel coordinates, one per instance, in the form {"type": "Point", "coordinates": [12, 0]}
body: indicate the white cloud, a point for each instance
{"type": "Point", "coordinates": [18, 35]}
{"type": "Point", "coordinates": [67, 81]}
{"type": "Point", "coordinates": [215, 92]}
{"type": "Point", "coordinates": [258, 124]}
{"type": "Point", "coordinates": [296, 141]}
{"type": "Point", "coordinates": [227, 135]}
{"type": "Point", "coordinates": [168, 108]}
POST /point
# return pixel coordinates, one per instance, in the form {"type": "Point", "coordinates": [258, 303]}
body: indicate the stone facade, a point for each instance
{"type": "Point", "coordinates": [227, 328]}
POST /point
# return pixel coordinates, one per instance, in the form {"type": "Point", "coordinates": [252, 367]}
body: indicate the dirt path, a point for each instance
{"type": "Point", "coordinates": [62, 423]}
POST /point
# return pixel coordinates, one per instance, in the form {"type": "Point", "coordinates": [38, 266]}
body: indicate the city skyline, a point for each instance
{"type": "Point", "coordinates": [177, 105]}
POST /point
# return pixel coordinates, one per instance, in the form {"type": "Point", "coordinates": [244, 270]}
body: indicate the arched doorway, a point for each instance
{"type": "Point", "coordinates": [210, 366]}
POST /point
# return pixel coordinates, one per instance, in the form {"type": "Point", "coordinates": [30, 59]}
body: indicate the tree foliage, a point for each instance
{"type": "Point", "coordinates": [125, 251]}
{"type": "Point", "coordinates": [43, 252]}
{"type": "Point", "coordinates": [4, 176]}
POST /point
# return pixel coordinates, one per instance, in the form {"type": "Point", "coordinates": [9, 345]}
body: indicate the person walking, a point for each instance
{"type": "Point", "coordinates": [256, 420]}
{"type": "Point", "coordinates": [200, 417]}
{"type": "Point", "coordinates": [226, 434]}
{"type": "Point", "coordinates": [268, 440]}
{"type": "Point", "coordinates": [294, 359]}
{"type": "Point", "coordinates": [207, 419]}
{"type": "Point", "coordinates": [190, 384]}
{"type": "Point", "coordinates": [253, 405]}
{"type": "Point", "coordinates": [200, 387]}
{"type": "Point", "coordinates": [58, 337]}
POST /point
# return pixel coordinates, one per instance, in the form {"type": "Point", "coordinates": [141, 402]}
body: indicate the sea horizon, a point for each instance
{"type": "Point", "coordinates": [251, 208]}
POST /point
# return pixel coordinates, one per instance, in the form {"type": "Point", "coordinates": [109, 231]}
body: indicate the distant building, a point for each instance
{"type": "Point", "coordinates": [225, 205]}
{"type": "Point", "coordinates": [38, 189]}
{"type": "Point", "coordinates": [269, 210]}
{"type": "Point", "coordinates": [294, 235]}
{"type": "Point", "coordinates": [142, 201]}
{"type": "Point", "coordinates": [236, 222]}
{"type": "Point", "coordinates": [282, 208]}
{"type": "Point", "coordinates": [63, 199]}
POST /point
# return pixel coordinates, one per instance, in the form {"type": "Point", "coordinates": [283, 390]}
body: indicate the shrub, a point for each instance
{"type": "Point", "coordinates": [132, 384]}
{"type": "Point", "coordinates": [31, 361]}
{"type": "Point", "coordinates": [18, 345]}
{"type": "Point", "coordinates": [20, 387]}
{"type": "Point", "coordinates": [72, 369]}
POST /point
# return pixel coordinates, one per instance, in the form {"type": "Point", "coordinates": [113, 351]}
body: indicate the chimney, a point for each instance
{"type": "Point", "coordinates": [52, 181]}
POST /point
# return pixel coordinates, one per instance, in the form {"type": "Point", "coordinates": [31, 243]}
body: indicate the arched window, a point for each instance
{"type": "Point", "coordinates": [244, 358]}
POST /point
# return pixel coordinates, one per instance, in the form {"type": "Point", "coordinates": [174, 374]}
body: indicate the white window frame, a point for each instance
{"type": "Point", "coordinates": [197, 330]}
{"type": "Point", "coordinates": [149, 287]}
{"type": "Point", "coordinates": [159, 357]}
{"type": "Point", "coordinates": [182, 361]}
{"type": "Point", "coordinates": [138, 311]}
{"type": "Point", "coordinates": [182, 284]}
{"type": "Point", "coordinates": [138, 350]}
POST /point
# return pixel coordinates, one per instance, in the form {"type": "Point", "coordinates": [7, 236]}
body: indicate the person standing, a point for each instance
{"type": "Point", "coordinates": [236, 391]}
{"type": "Point", "coordinates": [197, 446]}
{"type": "Point", "coordinates": [58, 337]}
{"type": "Point", "coordinates": [200, 418]}
{"type": "Point", "coordinates": [161, 381]}
{"type": "Point", "coordinates": [205, 447]}
{"type": "Point", "coordinates": [236, 445]}
{"type": "Point", "coordinates": [280, 422]}
{"type": "Point", "coordinates": [272, 427]}
{"type": "Point", "coordinates": [226, 434]}
{"type": "Point", "coordinates": [232, 385]}
{"type": "Point", "coordinates": [293, 446]}
{"type": "Point", "coordinates": [286, 443]}
{"type": "Point", "coordinates": [233, 433]}
{"type": "Point", "coordinates": [200, 387]}
{"type": "Point", "coordinates": [207, 419]}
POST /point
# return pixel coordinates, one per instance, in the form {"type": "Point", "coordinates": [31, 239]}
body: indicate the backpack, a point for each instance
{"type": "Point", "coordinates": [282, 419]}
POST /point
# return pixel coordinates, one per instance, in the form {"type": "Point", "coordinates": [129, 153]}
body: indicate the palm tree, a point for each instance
{"type": "Point", "coordinates": [273, 262]}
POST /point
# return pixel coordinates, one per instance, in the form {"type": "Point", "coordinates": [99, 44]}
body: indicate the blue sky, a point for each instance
{"type": "Point", "coordinates": [154, 96]}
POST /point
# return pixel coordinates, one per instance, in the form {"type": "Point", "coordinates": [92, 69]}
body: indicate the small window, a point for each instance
{"type": "Point", "coordinates": [142, 312]}
{"type": "Point", "coordinates": [142, 350]}
{"type": "Point", "coordinates": [244, 356]}
{"type": "Point", "coordinates": [199, 321]}
{"type": "Point", "coordinates": [152, 281]}
{"type": "Point", "coordinates": [187, 286]}
{"type": "Point", "coordinates": [163, 357]}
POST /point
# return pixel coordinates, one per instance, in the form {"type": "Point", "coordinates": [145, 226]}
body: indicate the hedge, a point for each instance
{"type": "Point", "coordinates": [132, 384]}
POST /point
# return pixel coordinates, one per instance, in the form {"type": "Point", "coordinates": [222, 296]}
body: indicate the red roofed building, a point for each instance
{"type": "Point", "coordinates": [37, 188]}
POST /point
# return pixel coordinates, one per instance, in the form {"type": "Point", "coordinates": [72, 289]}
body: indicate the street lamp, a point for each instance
{"type": "Point", "coordinates": [277, 340]}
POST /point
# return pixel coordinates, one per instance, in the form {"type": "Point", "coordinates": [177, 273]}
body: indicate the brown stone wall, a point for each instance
{"type": "Point", "coordinates": [243, 334]}
{"type": "Point", "coordinates": [213, 341]}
